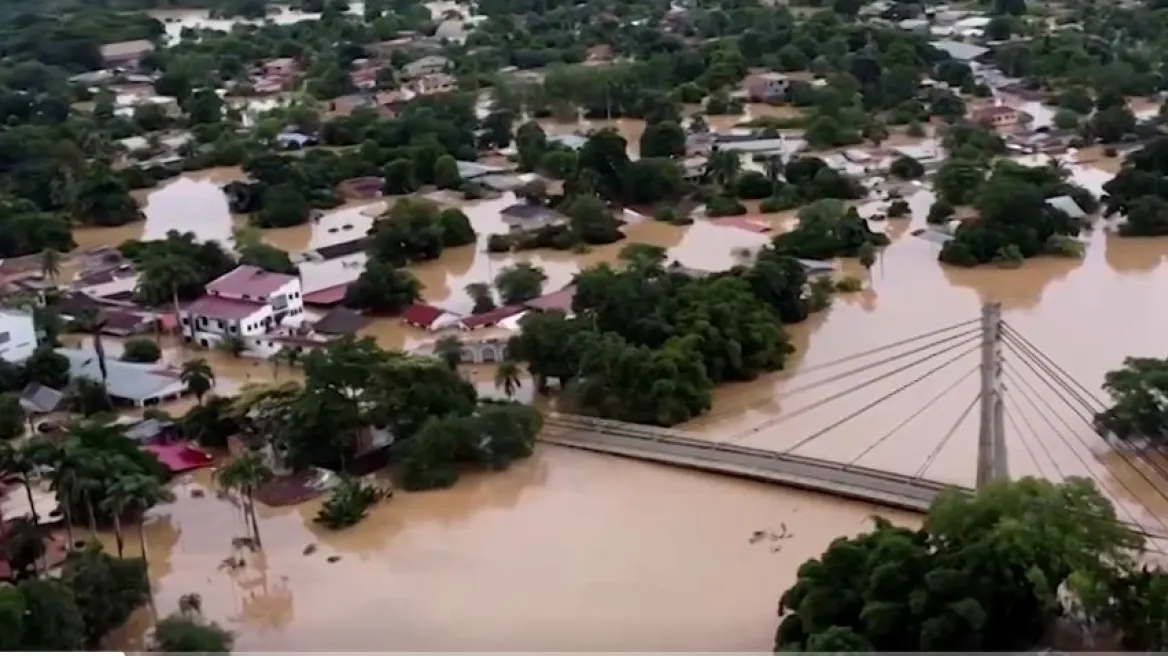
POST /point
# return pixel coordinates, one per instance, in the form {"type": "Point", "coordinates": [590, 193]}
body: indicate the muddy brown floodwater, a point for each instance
{"type": "Point", "coordinates": [577, 551]}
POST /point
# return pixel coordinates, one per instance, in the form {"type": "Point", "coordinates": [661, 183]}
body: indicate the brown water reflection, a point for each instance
{"type": "Point", "coordinates": [587, 548]}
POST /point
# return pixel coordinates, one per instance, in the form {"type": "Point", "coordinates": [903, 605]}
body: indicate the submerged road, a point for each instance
{"type": "Point", "coordinates": [672, 447]}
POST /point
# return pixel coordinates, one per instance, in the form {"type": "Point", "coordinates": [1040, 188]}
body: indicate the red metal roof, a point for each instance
{"type": "Point", "coordinates": [217, 307]}
{"type": "Point", "coordinates": [490, 318]}
{"type": "Point", "coordinates": [561, 300]}
{"type": "Point", "coordinates": [249, 281]}
{"type": "Point", "coordinates": [328, 295]}
{"type": "Point", "coordinates": [422, 315]}
{"type": "Point", "coordinates": [179, 457]}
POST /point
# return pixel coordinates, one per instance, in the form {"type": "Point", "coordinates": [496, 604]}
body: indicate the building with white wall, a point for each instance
{"type": "Point", "coordinates": [248, 303]}
{"type": "Point", "coordinates": [18, 335]}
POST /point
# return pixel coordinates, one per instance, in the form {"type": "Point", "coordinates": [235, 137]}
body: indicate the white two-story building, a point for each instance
{"type": "Point", "coordinates": [247, 302]}
{"type": "Point", "coordinates": [18, 334]}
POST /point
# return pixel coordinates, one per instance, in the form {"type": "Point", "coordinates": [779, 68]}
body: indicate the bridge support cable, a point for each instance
{"type": "Point", "coordinates": [932, 457]}
{"type": "Point", "coordinates": [920, 411]}
{"type": "Point", "coordinates": [838, 395]}
{"type": "Point", "coordinates": [878, 363]}
{"type": "Point", "coordinates": [816, 435]}
{"type": "Point", "coordinates": [858, 370]}
{"type": "Point", "coordinates": [1088, 401]}
{"type": "Point", "coordinates": [1015, 425]}
{"type": "Point", "coordinates": [1037, 353]}
{"type": "Point", "coordinates": [881, 349]}
{"type": "Point", "coordinates": [1017, 384]}
{"type": "Point", "coordinates": [1056, 381]}
{"type": "Point", "coordinates": [1123, 455]}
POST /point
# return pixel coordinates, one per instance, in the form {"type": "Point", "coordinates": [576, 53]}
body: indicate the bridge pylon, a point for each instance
{"type": "Point", "coordinates": [991, 443]}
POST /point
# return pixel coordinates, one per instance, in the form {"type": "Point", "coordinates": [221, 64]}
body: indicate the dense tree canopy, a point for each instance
{"type": "Point", "coordinates": [983, 573]}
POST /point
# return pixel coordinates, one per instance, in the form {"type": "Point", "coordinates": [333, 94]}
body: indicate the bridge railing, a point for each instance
{"type": "Point", "coordinates": [665, 435]}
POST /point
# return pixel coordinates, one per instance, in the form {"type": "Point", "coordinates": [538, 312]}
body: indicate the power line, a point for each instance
{"type": "Point", "coordinates": [789, 415]}
{"type": "Point", "coordinates": [928, 404]}
{"type": "Point", "coordinates": [945, 440]}
{"type": "Point", "coordinates": [880, 400]}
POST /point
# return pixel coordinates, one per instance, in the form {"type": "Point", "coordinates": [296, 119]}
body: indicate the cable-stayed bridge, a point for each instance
{"type": "Point", "coordinates": [1010, 387]}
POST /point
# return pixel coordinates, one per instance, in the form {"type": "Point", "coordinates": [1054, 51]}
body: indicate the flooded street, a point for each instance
{"type": "Point", "coordinates": [580, 551]}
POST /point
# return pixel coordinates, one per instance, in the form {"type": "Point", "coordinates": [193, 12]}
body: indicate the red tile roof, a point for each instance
{"type": "Point", "coordinates": [229, 309]}
{"type": "Point", "coordinates": [491, 318]}
{"type": "Point", "coordinates": [249, 281]}
{"type": "Point", "coordinates": [328, 295]}
{"type": "Point", "coordinates": [180, 456]}
{"type": "Point", "coordinates": [561, 300]}
{"type": "Point", "coordinates": [422, 315]}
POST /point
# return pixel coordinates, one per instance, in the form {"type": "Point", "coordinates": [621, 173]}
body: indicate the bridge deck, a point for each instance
{"type": "Point", "coordinates": [676, 448]}
{"type": "Point", "coordinates": [859, 483]}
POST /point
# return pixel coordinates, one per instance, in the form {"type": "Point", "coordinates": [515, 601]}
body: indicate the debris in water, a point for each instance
{"type": "Point", "coordinates": [198, 494]}
{"type": "Point", "coordinates": [309, 550]}
{"type": "Point", "coordinates": [333, 559]}
{"type": "Point", "coordinates": [232, 563]}
{"type": "Point", "coordinates": [771, 536]}
{"type": "Point", "coordinates": [244, 543]}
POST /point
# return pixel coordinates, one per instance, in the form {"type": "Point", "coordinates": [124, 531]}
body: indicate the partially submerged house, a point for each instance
{"type": "Point", "coordinates": [247, 302]}
{"type": "Point", "coordinates": [126, 382]}
{"type": "Point", "coordinates": [527, 216]}
{"type": "Point", "coordinates": [429, 317]}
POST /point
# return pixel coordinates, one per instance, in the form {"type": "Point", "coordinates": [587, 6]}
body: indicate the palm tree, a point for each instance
{"type": "Point", "coordinates": [92, 322]}
{"type": "Point", "coordinates": [722, 167]}
{"type": "Point", "coordinates": [190, 605]}
{"type": "Point", "coordinates": [64, 460]}
{"type": "Point", "coordinates": [139, 493]}
{"type": "Point", "coordinates": [50, 264]}
{"type": "Point", "coordinates": [507, 377]}
{"type": "Point", "coordinates": [198, 377]}
{"type": "Point", "coordinates": [247, 473]}
{"type": "Point", "coordinates": [160, 277]}
{"type": "Point", "coordinates": [285, 356]}
{"type": "Point", "coordinates": [774, 167]}
{"type": "Point", "coordinates": [449, 350]}
{"type": "Point", "coordinates": [867, 257]}
{"type": "Point", "coordinates": [18, 461]}
{"type": "Point", "coordinates": [482, 295]}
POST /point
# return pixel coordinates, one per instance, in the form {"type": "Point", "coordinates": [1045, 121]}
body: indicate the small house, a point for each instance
{"type": "Point", "coordinates": [526, 216]}
{"type": "Point", "coordinates": [428, 317]}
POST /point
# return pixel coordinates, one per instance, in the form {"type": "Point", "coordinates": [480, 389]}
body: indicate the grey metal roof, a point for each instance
{"type": "Point", "coordinates": [126, 380]}
{"type": "Point", "coordinates": [147, 429]}
{"type": "Point", "coordinates": [39, 398]}
{"type": "Point", "coordinates": [959, 50]}
{"type": "Point", "coordinates": [470, 170]}
{"type": "Point", "coordinates": [573, 141]}
{"type": "Point", "coordinates": [1067, 205]}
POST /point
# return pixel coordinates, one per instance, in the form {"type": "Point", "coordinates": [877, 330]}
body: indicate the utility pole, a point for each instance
{"type": "Point", "coordinates": [991, 439]}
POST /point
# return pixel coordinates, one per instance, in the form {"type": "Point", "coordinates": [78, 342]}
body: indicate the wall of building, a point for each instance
{"type": "Point", "coordinates": [18, 338]}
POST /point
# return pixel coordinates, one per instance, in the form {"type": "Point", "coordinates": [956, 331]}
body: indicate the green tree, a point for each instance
{"type": "Point", "coordinates": [19, 461]}
{"type": "Point", "coordinates": [722, 167]}
{"type": "Point", "coordinates": [284, 205]}
{"type": "Point", "coordinates": [50, 264]}
{"type": "Point", "coordinates": [383, 288]}
{"type": "Point", "coordinates": [177, 634]}
{"type": "Point", "coordinates": [198, 377]}
{"type": "Point", "coordinates": [141, 350]}
{"type": "Point", "coordinates": [107, 589]}
{"type": "Point", "coordinates": [449, 350]}
{"type": "Point", "coordinates": [665, 139]}
{"type": "Point", "coordinates": [508, 377]}
{"type": "Point", "coordinates": [867, 256]}
{"type": "Point", "coordinates": [47, 367]}
{"type": "Point", "coordinates": [1139, 392]}
{"type": "Point", "coordinates": [246, 474]}
{"type": "Point", "coordinates": [520, 282]}
{"type": "Point", "coordinates": [52, 620]}
{"type": "Point", "coordinates": [12, 416]}
{"type": "Point", "coordinates": [137, 494]}
{"type": "Point", "coordinates": [482, 295]}
{"type": "Point", "coordinates": [399, 178]}
{"type": "Point", "coordinates": [446, 174]}
{"type": "Point", "coordinates": [953, 584]}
